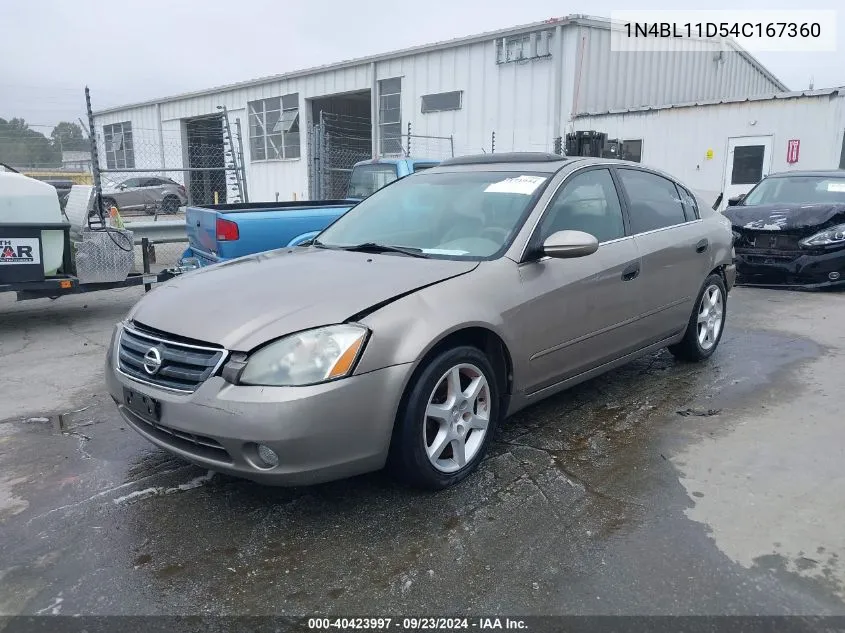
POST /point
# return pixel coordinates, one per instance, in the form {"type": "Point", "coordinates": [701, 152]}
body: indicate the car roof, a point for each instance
{"type": "Point", "coordinates": [817, 173]}
{"type": "Point", "coordinates": [537, 162]}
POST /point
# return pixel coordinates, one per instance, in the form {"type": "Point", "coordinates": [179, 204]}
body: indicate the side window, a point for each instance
{"type": "Point", "coordinates": [587, 202]}
{"type": "Point", "coordinates": [132, 182]}
{"type": "Point", "coordinates": [654, 201]}
{"type": "Point", "coordinates": [150, 182]}
{"type": "Point", "coordinates": [689, 204]}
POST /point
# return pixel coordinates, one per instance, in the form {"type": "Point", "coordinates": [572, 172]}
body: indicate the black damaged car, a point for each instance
{"type": "Point", "coordinates": [789, 230]}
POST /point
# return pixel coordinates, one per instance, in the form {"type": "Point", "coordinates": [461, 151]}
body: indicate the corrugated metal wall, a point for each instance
{"type": "Point", "coordinates": [615, 80]}
{"type": "Point", "coordinates": [677, 139]}
{"type": "Point", "coordinates": [515, 99]}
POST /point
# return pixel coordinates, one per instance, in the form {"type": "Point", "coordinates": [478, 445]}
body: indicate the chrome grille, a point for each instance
{"type": "Point", "coordinates": [183, 367]}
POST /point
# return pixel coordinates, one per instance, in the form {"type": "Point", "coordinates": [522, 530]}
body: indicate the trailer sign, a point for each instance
{"type": "Point", "coordinates": [20, 250]}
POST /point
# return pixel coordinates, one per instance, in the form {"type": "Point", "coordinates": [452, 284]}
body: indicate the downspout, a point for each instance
{"type": "Point", "coordinates": [557, 116]}
{"type": "Point", "coordinates": [580, 64]}
{"type": "Point", "coordinates": [160, 135]}
{"type": "Point", "coordinates": [374, 111]}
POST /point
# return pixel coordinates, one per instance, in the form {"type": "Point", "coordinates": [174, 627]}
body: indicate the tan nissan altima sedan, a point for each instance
{"type": "Point", "coordinates": [417, 322]}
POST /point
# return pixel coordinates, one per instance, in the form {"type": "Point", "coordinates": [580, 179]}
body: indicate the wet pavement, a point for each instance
{"type": "Point", "coordinates": [659, 488]}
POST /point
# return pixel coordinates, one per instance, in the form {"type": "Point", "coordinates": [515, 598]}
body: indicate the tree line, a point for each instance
{"type": "Point", "coordinates": [21, 146]}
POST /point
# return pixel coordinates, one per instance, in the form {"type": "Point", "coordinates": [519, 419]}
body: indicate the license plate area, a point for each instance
{"type": "Point", "coordinates": [143, 406]}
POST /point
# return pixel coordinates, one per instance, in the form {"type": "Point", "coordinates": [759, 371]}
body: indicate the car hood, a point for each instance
{"type": "Point", "coordinates": [248, 301]}
{"type": "Point", "coordinates": [785, 217]}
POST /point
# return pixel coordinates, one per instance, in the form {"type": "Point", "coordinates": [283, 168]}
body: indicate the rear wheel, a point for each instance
{"type": "Point", "coordinates": [706, 324]}
{"type": "Point", "coordinates": [170, 205]}
{"type": "Point", "coordinates": [447, 420]}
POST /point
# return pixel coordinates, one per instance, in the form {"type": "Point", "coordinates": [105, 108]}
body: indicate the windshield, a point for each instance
{"type": "Point", "coordinates": [460, 214]}
{"type": "Point", "coordinates": [367, 179]}
{"type": "Point", "coordinates": [797, 189]}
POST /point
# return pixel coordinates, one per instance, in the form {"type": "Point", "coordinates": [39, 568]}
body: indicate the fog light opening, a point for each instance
{"type": "Point", "coordinates": [267, 456]}
{"type": "Point", "coordinates": [833, 276]}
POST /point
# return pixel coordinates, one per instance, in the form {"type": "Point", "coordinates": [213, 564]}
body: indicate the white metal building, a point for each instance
{"type": "Point", "coordinates": [728, 145]}
{"type": "Point", "coordinates": [526, 84]}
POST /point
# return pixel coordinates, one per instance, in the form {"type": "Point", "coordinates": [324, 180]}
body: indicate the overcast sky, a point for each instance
{"type": "Point", "coordinates": [133, 50]}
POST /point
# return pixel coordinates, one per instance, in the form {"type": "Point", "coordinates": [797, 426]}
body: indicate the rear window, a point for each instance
{"type": "Point", "coordinates": [367, 179]}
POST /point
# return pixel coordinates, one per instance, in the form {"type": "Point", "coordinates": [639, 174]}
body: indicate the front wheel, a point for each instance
{"type": "Point", "coordinates": [447, 420]}
{"type": "Point", "coordinates": [706, 323]}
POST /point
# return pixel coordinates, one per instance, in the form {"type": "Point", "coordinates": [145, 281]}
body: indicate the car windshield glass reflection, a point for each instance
{"type": "Point", "coordinates": [451, 215]}
{"type": "Point", "coordinates": [798, 190]}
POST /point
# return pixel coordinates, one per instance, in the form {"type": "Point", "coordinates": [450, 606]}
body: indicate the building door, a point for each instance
{"type": "Point", "coordinates": [748, 162]}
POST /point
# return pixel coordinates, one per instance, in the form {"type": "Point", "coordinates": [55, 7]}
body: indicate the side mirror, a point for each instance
{"type": "Point", "coordinates": [732, 202]}
{"type": "Point", "coordinates": [567, 244]}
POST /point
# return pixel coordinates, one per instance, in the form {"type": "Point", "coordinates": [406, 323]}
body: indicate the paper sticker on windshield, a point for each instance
{"type": "Point", "coordinates": [836, 186]}
{"type": "Point", "coordinates": [526, 185]}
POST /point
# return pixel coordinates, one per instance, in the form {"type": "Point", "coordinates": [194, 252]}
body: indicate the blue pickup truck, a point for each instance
{"type": "Point", "coordinates": [217, 233]}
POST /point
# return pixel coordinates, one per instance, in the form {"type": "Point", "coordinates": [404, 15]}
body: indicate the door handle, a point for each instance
{"type": "Point", "coordinates": [702, 246]}
{"type": "Point", "coordinates": [631, 271]}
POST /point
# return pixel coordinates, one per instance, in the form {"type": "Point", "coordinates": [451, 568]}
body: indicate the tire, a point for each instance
{"type": "Point", "coordinates": [409, 459]}
{"type": "Point", "coordinates": [170, 205]}
{"type": "Point", "coordinates": [692, 347]}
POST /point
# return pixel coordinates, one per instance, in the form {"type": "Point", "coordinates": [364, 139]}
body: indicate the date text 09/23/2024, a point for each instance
{"type": "Point", "coordinates": [416, 623]}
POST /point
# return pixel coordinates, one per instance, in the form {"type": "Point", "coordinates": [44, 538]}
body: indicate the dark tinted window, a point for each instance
{"type": "Point", "coordinates": [748, 164]}
{"type": "Point", "coordinates": [632, 150]}
{"type": "Point", "coordinates": [589, 203]}
{"type": "Point", "coordinates": [654, 201]}
{"type": "Point", "coordinates": [441, 101]}
{"type": "Point", "coordinates": [132, 182]}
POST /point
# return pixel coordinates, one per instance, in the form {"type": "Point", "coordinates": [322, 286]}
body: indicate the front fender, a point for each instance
{"type": "Point", "coordinates": [405, 330]}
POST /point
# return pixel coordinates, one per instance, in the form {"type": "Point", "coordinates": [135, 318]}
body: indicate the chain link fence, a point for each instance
{"type": "Point", "coordinates": [336, 142]}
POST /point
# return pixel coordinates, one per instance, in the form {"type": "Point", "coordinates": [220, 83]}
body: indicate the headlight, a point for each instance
{"type": "Point", "coordinates": [833, 235]}
{"type": "Point", "coordinates": [306, 358]}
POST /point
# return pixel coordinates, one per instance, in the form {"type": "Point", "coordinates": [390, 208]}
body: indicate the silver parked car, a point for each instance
{"type": "Point", "coordinates": [417, 322]}
{"type": "Point", "coordinates": [148, 194]}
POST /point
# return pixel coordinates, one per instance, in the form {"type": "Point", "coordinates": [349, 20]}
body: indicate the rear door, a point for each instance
{"type": "Point", "coordinates": [749, 160]}
{"type": "Point", "coordinates": [580, 312]}
{"type": "Point", "coordinates": [675, 253]}
{"type": "Point", "coordinates": [151, 191]}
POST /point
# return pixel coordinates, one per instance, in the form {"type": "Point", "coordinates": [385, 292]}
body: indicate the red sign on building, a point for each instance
{"type": "Point", "coordinates": [792, 149]}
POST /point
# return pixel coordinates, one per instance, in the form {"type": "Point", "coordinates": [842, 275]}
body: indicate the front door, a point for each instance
{"type": "Point", "coordinates": [749, 160]}
{"type": "Point", "coordinates": [580, 312]}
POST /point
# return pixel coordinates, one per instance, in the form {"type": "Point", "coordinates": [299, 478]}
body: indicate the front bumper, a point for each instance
{"type": "Point", "coordinates": [320, 432]}
{"type": "Point", "coordinates": [757, 267]}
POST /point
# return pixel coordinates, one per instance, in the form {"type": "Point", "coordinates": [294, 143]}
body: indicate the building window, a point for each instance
{"type": "Point", "coordinates": [632, 150]}
{"type": "Point", "coordinates": [390, 116]}
{"type": "Point", "coordinates": [748, 164]}
{"type": "Point", "coordinates": [519, 48]}
{"type": "Point", "coordinates": [274, 128]}
{"type": "Point", "coordinates": [120, 151]}
{"type": "Point", "coordinates": [442, 101]}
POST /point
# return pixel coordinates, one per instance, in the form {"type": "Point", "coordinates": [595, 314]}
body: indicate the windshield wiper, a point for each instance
{"type": "Point", "coordinates": [373, 247]}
